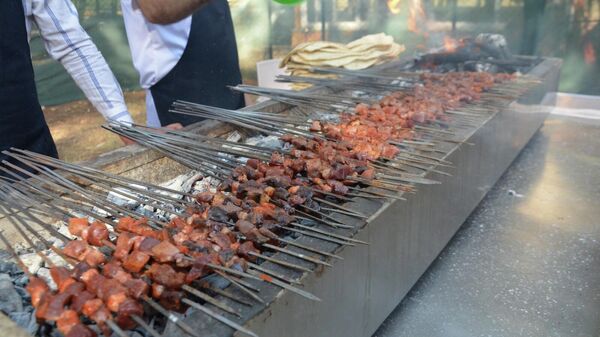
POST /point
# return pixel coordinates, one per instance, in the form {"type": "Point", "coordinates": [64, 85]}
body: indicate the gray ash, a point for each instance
{"type": "Point", "coordinates": [485, 53]}
{"type": "Point", "coordinates": [14, 299]}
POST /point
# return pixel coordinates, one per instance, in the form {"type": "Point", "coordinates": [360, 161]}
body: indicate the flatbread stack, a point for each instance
{"type": "Point", "coordinates": [359, 54]}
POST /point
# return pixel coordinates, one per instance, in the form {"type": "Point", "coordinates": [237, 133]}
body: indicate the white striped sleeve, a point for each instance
{"type": "Point", "coordinates": [67, 42]}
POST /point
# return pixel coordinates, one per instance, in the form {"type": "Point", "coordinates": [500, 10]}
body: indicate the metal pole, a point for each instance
{"type": "Point", "coordinates": [270, 14]}
{"type": "Point", "coordinates": [323, 23]}
{"type": "Point", "coordinates": [454, 16]}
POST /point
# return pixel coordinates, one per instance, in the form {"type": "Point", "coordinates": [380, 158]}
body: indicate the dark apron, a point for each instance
{"type": "Point", "coordinates": [22, 123]}
{"type": "Point", "coordinates": [208, 65]}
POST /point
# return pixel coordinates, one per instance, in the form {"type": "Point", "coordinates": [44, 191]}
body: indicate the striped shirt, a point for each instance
{"type": "Point", "coordinates": [67, 42]}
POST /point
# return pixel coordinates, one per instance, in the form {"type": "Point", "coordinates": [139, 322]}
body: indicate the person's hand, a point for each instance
{"type": "Point", "coordinates": [127, 141]}
{"type": "Point", "coordinates": [174, 126]}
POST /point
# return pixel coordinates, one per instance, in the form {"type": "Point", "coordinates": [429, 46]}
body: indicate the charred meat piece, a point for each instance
{"type": "Point", "coordinates": [136, 288]}
{"type": "Point", "coordinates": [80, 330]}
{"type": "Point", "coordinates": [220, 239]}
{"type": "Point", "coordinates": [128, 308]}
{"type": "Point", "coordinates": [245, 249]}
{"type": "Point", "coordinates": [166, 275]}
{"type": "Point", "coordinates": [199, 268]}
{"type": "Point", "coordinates": [147, 244]}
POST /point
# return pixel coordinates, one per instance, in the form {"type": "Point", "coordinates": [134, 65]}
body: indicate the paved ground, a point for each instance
{"type": "Point", "coordinates": [527, 261]}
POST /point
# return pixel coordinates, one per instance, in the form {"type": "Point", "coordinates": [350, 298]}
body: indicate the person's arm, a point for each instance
{"type": "Point", "coordinates": [67, 42]}
{"type": "Point", "coordinates": [168, 11]}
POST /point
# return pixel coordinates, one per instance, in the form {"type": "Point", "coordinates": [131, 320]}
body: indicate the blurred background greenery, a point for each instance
{"type": "Point", "coordinates": [568, 29]}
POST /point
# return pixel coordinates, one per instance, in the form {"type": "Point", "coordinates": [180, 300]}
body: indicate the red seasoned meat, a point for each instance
{"type": "Point", "coordinates": [166, 275]}
{"type": "Point", "coordinates": [67, 321]}
{"type": "Point", "coordinates": [76, 249]}
{"type": "Point", "coordinates": [220, 239]}
{"type": "Point", "coordinates": [36, 288]}
{"type": "Point", "coordinates": [79, 269]}
{"type": "Point", "coordinates": [124, 245]}
{"type": "Point", "coordinates": [157, 290]}
{"type": "Point", "coordinates": [77, 225]}
{"type": "Point", "coordinates": [128, 308]}
{"type": "Point", "coordinates": [114, 270]}
{"type": "Point", "coordinates": [96, 234]}
{"type": "Point", "coordinates": [199, 268]}
{"type": "Point", "coordinates": [94, 257]}
{"type": "Point", "coordinates": [204, 197]}
{"type": "Point", "coordinates": [61, 276]}
{"type": "Point", "coordinates": [244, 226]}
{"type": "Point", "coordinates": [246, 248]}
{"type": "Point", "coordinates": [96, 311]}
{"type": "Point", "coordinates": [136, 288]}
{"type": "Point", "coordinates": [136, 261]}
{"type": "Point", "coordinates": [80, 330]}
{"type": "Point", "coordinates": [92, 280]}
{"type": "Point", "coordinates": [56, 306]}
{"type": "Point", "coordinates": [78, 301]}
{"type": "Point", "coordinates": [73, 288]}
{"type": "Point", "coordinates": [165, 252]}
{"type": "Point", "coordinates": [112, 293]}
{"type": "Point", "coordinates": [171, 299]}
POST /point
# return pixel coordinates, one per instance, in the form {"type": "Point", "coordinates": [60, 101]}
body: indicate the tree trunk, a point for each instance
{"type": "Point", "coordinates": [533, 11]}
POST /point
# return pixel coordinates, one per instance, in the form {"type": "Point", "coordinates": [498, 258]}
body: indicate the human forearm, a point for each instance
{"type": "Point", "coordinates": [67, 42]}
{"type": "Point", "coordinates": [169, 11]}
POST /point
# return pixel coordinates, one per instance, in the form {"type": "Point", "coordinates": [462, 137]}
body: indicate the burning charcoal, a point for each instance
{"type": "Point", "coordinates": [8, 267]}
{"type": "Point", "coordinates": [44, 273]}
{"type": "Point", "coordinates": [33, 261]}
{"type": "Point", "coordinates": [271, 142]}
{"type": "Point", "coordinates": [146, 211]}
{"type": "Point", "coordinates": [26, 320]}
{"type": "Point", "coordinates": [216, 281]}
{"type": "Point", "coordinates": [10, 301]}
{"type": "Point", "coordinates": [183, 183]}
{"type": "Point", "coordinates": [120, 199]}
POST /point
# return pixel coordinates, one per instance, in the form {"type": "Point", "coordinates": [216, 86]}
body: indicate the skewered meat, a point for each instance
{"type": "Point", "coordinates": [136, 261]}
{"type": "Point", "coordinates": [81, 251]}
{"type": "Point", "coordinates": [112, 293]}
{"type": "Point", "coordinates": [96, 234]}
{"type": "Point", "coordinates": [165, 274]}
{"type": "Point", "coordinates": [80, 330]}
{"type": "Point", "coordinates": [124, 245]}
{"type": "Point", "coordinates": [165, 252]}
{"type": "Point", "coordinates": [77, 226]}
{"type": "Point", "coordinates": [96, 311]}
{"type": "Point", "coordinates": [78, 301]}
{"type": "Point", "coordinates": [128, 308]}
{"type": "Point", "coordinates": [246, 248]}
{"type": "Point", "coordinates": [55, 307]}
{"type": "Point", "coordinates": [36, 289]}
{"type": "Point", "coordinates": [67, 321]}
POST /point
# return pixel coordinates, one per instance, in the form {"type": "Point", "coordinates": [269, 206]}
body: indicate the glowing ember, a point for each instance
{"type": "Point", "coordinates": [450, 44]}
{"type": "Point", "coordinates": [589, 53]}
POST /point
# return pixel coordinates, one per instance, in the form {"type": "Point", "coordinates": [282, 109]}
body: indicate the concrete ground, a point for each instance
{"type": "Point", "coordinates": [527, 261]}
